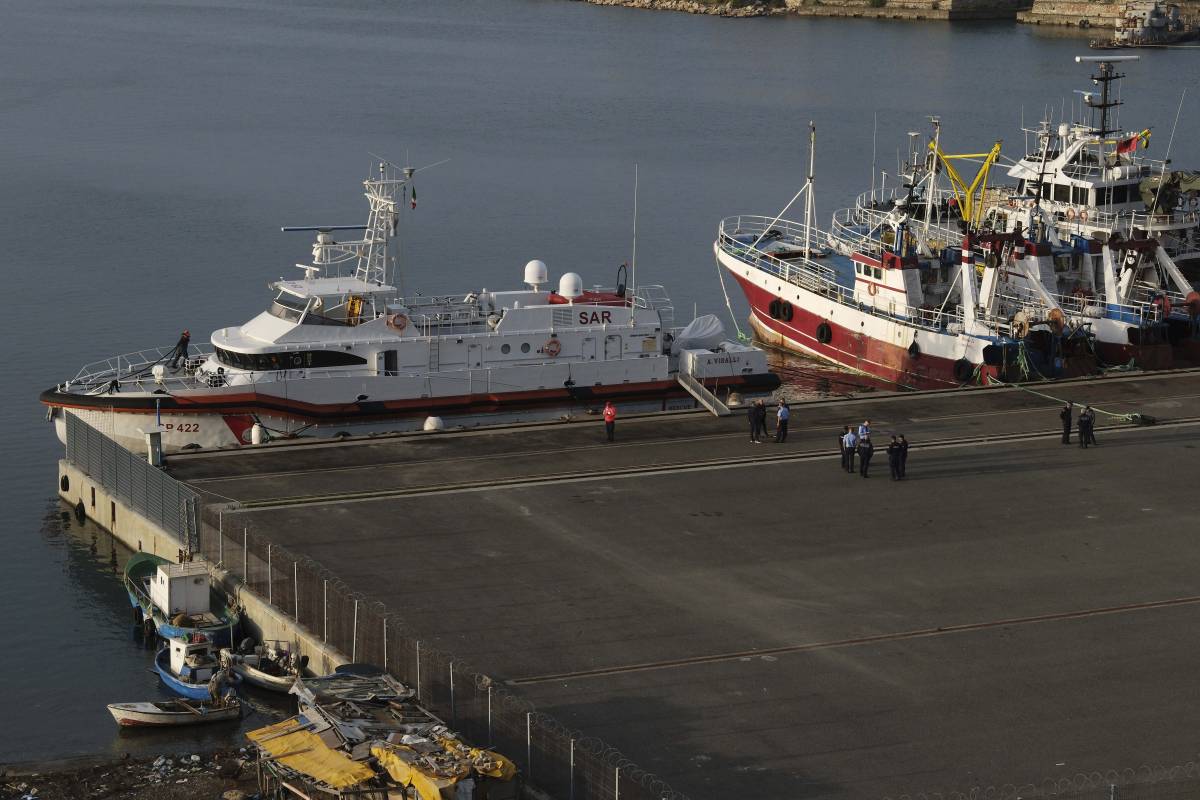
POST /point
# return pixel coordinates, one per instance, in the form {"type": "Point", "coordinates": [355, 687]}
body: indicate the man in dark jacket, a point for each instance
{"type": "Point", "coordinates": [181, 350]}
{"type": "Point", "coordinates": [752, 418]}
{"type": "Point", "coordinates": [1065, 416]}
{"type": "Point", "coordinates": [893, 453]}
{"type": "Point", "coordinates": [865, 451]}
{"type": "Point", "coordinates": [761, 415]}
{"type": "Point", "coordinates": [903, 455]}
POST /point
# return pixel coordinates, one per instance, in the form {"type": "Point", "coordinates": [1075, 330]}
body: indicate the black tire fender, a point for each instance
{"type": "Point", "coordinates": [824, 333]}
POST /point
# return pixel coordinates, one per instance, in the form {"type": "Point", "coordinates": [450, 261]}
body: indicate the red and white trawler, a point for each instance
{"type": "Point", "coordinates": [338, 351]}
{"type": "Point", "coordinates": [879, 305]}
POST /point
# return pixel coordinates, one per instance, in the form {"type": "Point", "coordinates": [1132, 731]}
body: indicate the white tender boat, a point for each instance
{"type": "Point", "coordinates": [340, 352]}
{"type": "Point", "coordinates": [173, 712]}
{"type": "Point", "coordinates": [270, 668]}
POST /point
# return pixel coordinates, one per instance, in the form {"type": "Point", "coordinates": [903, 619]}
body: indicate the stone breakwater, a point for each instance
{"type": "Point", "coordinates": [878, 9]}
{"type": "Point", "coordinates": [1091, 14]}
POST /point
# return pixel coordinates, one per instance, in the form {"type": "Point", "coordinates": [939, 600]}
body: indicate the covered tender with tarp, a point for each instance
{"type": "Point", "coordinates": [702, 333]}
{"type": "Point", "coordinates": [1173, 185]}
{"type": "Point", "coordinates": [294, 744]}
{"type": "Point", "coordinates": [436, 766]}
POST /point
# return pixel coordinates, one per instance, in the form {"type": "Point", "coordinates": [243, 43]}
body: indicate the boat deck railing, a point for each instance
{"type": "Point", "coordinates": [820, 279]}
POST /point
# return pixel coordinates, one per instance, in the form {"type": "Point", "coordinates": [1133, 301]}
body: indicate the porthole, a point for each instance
{"type": "Point", "coordinates": [525, 347]}
{"type": "Point", "coordinates": [506, 349]}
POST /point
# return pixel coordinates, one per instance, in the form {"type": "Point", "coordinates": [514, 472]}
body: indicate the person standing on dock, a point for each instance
{"type": "Point", "coordinates": [181, 350]}
{"type": "Point", "coordinates": [760, 416]}
{"type": "Point", "coordinates": [865, 451]}
{"type": "Point", "coordinates": [752, 418]}
{"type": "Point", "coordinates": [903, 455]}
{"type": "Point", "coordinates": [849, 443]}
{"type": "Point", "coordinates": [1087, 423]}
{"type": "Point", "coordinates": [842, 444]}
{"type": "Point", "coordinates": [893, 453]}
{"type": "Point", "coordinates": [1065, 416]}
{"type": "Point", "coordinates": [864, 431]}
{"type": "Point", "coordinates": [610, 419]}
{"type": "Point", "coordinates": [781, 422]}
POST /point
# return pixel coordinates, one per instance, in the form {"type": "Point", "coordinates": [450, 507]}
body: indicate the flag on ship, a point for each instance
{"type": "Point", "coordinates": [1131, 144]}
{"type": "Point", "coordinates": [413, 194]}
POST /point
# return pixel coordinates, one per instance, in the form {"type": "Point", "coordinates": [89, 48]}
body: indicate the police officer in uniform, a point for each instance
{"type": "Point", "coordinates": [849, 443]}
{"type": "Point", "coordinates": [865, 451]}
{"type": "Point", "coordinates": [1065, 416]}
{"type": "Point", "coordinates": [893, 453]}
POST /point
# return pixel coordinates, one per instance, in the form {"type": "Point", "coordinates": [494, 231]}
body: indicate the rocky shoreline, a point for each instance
{"type": "Point", "coordinates": [222, 774]}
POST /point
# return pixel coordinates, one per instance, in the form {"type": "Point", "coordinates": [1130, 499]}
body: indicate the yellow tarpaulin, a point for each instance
{"type": "Point", "coordinates": [288, 743]}
{"type": "Point", "coordinates": [401, 764]}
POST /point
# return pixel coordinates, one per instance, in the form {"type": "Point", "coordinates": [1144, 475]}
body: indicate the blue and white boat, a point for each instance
{"type": "Point", "coordinates": [188, 666]}
{"type": "Point", "coordinates": [178, 599]}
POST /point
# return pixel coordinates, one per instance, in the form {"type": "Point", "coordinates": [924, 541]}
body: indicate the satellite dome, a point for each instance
{"type": "Point", "coordinates": [570, 285]}
{"type": "Point", "coordinates": [536, 274]}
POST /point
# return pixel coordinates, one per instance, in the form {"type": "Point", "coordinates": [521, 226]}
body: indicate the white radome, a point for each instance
{"type": "Point", "coordinates": [536, 274]}
{"type": "Point", "coordinates": [570, 285]}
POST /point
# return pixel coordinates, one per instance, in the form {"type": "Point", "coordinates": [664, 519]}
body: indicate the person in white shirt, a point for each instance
{"type": "Point", "coordinates": [850, 443]}
{"type": "Point", "coordinates": [781, 422]}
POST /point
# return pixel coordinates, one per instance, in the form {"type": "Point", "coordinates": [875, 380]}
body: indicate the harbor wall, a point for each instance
{"type": "Point", "coordinates": [261, 620]}
{"type": "Point", "coordinates": [1091, 15]}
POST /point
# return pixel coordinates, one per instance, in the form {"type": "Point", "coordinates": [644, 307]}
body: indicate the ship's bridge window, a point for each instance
{"type": "Point", "coordinates": [1079, 195]}
{"type": "Point", "coordinates": [1045, 191]}
{"type": "Point", "coordinates": [298, 359]}
{"type": "Point", "coordinates": [1121, 194]}
{"type": "Point", "coordinates": [1062, 193]}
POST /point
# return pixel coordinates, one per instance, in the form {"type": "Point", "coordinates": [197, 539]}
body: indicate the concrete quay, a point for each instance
{"type": "Point", "coordinates": [749, 619]}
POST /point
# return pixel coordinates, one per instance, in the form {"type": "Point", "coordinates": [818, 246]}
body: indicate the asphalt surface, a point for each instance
{"type": "Point", "coordinates": [750, 619]}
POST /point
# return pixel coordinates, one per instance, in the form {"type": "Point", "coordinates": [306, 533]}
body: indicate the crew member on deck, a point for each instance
{"type": "Point", "coordinates": [1065, 416]}
{"type": "Point", "coordinates": [610, 419]}
{"type": "Point", "coordinates": [181, 350]}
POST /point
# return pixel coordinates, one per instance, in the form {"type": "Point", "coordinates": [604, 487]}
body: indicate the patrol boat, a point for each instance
{"type": "Point", "coordinates": [338, 352]}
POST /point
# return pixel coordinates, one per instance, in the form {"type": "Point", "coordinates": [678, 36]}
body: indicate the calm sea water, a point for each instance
{"type": "Point", "coordinates": [152, 150]}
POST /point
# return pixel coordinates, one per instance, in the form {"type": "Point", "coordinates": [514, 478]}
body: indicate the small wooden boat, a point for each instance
{"type": "Point", "coordinates": [265, 667]}
{"type": "Point", "coordinates": [173, 712]}
{"type": "Point", "coordinates": [188, 667]}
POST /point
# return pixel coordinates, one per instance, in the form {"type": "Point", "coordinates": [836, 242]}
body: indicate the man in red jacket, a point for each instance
{"type": "Point", "coordinates": [610, 419]}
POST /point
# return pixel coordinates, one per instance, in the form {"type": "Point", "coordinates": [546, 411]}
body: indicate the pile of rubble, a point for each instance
{"type": "Point", "coordinates": [169, 777]}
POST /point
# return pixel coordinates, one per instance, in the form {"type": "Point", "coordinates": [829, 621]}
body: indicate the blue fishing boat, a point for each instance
{"type": "Point", "coordinates": [178, 599]}
{"type": "Point", "coordinates": [188, 666]}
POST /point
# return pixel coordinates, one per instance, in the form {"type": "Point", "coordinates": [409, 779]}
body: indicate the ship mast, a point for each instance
{"type": "Point", "coordinates": [1104, 80]}
{"type": "Point", "coordinates": [808, 201]}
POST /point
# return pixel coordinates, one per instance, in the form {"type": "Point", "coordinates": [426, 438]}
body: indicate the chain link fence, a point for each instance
{"type": "Point", "coordinates": [558, 760]}
{"type": "Point", "coordinates": [131, 479]}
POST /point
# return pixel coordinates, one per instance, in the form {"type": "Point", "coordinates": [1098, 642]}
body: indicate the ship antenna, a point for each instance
{"type": "Point", "coordinates": [1162, 179]}
{"type": "Point", "coordinates": [808, 201]}
{"type": "Point", "coordinates": [874, 137]}
{"type": "Point", "coordinates": [633, 255]}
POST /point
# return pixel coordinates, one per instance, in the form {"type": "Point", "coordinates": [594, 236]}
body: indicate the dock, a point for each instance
{"type": "Point", "coordinates": [750, 620]}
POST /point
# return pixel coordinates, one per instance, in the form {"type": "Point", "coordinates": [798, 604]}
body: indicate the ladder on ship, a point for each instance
{"type": "Point", "coordinates": [435, 354]}
{"type": "Point", "coordinates": [702, 395]}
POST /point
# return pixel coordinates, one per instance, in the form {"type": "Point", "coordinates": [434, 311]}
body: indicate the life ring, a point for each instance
{"type": "Point", "coordinates": [872, 289]}
{"type": "Point", "coordinates": [785, 311]}
{"type": "Point", "coordinates": [963, 370]}
{"type": "Point", "coordinates": [914, 350]}
{"type": "Point", "coordinates": [1193, 304]}
{"type": "Point", "coordinates": [1070, 213]}
{"type": "Point", "coordinates": [552, 347]}
{"type": "Point", "coordinates": [774, 308]}
{"type": "Point", "coordinates": [824, 333]}
{"type": "Point", "coordinates": [1083, 216]}
{"type": "Point", "coordinates": [397, 322]}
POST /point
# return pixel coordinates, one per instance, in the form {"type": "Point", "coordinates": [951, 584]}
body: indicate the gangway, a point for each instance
{"type": "Point", "coordinates": [703, 395]}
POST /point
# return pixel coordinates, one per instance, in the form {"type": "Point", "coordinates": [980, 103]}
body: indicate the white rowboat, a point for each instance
{"type": "Point", "coordinates": [173, 712]}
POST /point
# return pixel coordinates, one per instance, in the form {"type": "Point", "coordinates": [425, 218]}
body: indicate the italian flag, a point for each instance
{"type": "Point", "coordinates": [414, 197]}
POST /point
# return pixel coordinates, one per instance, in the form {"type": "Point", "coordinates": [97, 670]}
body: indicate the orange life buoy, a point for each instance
{"type": "Point", "coordinates": [397, 322]}
{"type": "Point", "coordinates": [552, 348]}
{"type": "Point", "coordinates": [1164, 303]}
{"type": "Point", "coordinates": [872, 289]}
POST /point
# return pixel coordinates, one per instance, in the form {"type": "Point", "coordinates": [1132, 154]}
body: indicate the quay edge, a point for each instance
{"type": "Point", "coordinates": [260, 619]}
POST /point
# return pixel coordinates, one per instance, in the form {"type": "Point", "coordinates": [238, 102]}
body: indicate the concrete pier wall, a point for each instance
{"type": "Point", "coordinates": [261, 620]}
{"type": "Point", "coordinates": [1094, 15]}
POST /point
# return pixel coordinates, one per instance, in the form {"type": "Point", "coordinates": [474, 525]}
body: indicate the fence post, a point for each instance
{"type": "Point", "coordinates": [385, 644]}
{"type": "Point", "coordinates": [325, 613]}
{"type": "Point", "coordinates": [453, 710]}
{"type": "Point", "coordinates": [529, 743]}
{"type": "Point", "coordinates": [616, 783]}
{"type": "Point", "coordinates": [354, 642]}
{"type": "Point", "coordinates": [1112, 791]}
{"type": "Point", "coordinates": [296, 588]}
{"type": "Point", "coordinates": [418, 669]}
{"type": "Point", "coordinates": [489, 736]}
{"type": "Point", "coordinates": [571, 780]}
{"type": "Point", "coordinates": [245, 556]}
{"type": "Point", "coordinates": [221, 542]}
{"type": "Point", "coordinates": [270, 578]}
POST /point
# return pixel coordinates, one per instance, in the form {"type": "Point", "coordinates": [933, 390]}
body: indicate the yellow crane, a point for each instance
{"type": "Point", "coordinates": [970, 197]}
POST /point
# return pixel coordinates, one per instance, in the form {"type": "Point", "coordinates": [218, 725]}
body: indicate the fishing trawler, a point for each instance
{"type": "Point", "coordinates": [339, 352]}
{"type": "Point", "coordinates": [884, 305]}
{"type": "Point", "coordinates": [1081, 191]}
